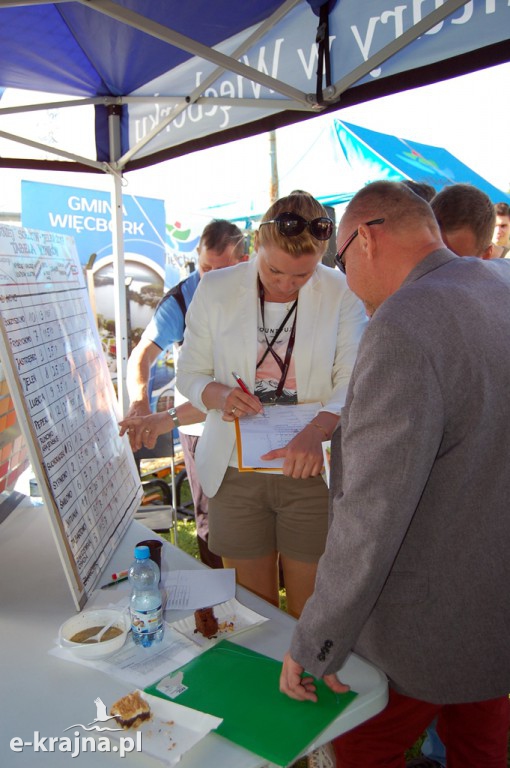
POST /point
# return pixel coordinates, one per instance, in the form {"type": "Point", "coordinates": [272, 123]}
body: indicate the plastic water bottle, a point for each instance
{"type": "Point", "coordinates": [145, 607]}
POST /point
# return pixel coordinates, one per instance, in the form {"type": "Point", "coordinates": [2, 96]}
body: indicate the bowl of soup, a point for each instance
{"type": "Point", "coordinates": [76, 634]}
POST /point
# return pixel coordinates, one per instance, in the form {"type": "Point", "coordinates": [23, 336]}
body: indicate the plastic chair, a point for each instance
{"type": "Point", "coordinates": [162, 516]}
{"type": "Point", "coordinates": [158, 517]}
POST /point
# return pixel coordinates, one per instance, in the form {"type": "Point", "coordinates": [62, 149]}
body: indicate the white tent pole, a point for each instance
{"type": "Point", "coordinates": [274, 188]}
{"type": "Point", "coordinates": [119, 275]}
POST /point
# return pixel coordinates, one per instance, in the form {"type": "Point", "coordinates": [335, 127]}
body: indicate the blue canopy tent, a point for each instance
{"type": "Point", "coordinates": [175, 77]}
{"type": "Point", "coordinates": [167, 78]}
{"type": "Point", "coordinates": [382, 156]}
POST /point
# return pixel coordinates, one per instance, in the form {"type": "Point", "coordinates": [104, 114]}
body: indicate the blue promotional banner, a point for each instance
{"type": "Point", "coordinates": [85, 214]}
{"type": "Point", "coordinates": [150, 256]}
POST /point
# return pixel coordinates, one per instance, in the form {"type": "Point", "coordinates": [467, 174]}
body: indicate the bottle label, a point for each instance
{"type": "Point", "coordinates": [146, 622]}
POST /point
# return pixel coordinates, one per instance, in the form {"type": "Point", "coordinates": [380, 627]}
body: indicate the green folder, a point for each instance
{"type": "Point", "coordinates": [242, 687]}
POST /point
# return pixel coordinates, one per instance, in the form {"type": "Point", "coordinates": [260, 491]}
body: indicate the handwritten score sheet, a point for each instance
{"type": "Point", "coordinates": [267, 431]}
{"type": "Point", "coordinates": [56, 371]}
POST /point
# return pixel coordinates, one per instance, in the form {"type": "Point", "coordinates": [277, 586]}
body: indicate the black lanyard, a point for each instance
{"type": "Point", "coordinates": [283, 365]}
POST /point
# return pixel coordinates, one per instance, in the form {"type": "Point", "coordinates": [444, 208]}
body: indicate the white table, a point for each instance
{"type": "Point", "coordinates": [43, 693]}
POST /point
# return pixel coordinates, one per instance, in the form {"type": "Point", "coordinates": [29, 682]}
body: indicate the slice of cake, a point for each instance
{"type": "Point", "coordinates": [131, 710]}
{"type": "Point", "coordinates": [206, 622]}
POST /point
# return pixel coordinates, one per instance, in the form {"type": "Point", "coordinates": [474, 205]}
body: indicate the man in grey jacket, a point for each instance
{"type": "Point", "coordinates": [416, 572]}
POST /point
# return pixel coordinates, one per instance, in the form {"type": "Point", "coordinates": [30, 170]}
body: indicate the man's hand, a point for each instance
{"type": "Point", "coordinates": [137, 409]}
{"type": "Point", "coordinates": [303, 688]}
{"type": "Point", "coordinates": [143, 431]}
{"type": "Point", "coordinates": [292, 684]}
{"type": "Point", "coordinates": [133, 424]}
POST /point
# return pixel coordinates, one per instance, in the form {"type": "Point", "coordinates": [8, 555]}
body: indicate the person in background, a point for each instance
{"type": "Point", "coordinates": [426, 191]}
{"type": "Point", "coordinates": [416, 562]}
{"type": "Point", "coordinates": [501, 236]}
{"type": "Point", "coordinates": [221, 245]}
{"type": "Point", "coordinates": [466, 219]}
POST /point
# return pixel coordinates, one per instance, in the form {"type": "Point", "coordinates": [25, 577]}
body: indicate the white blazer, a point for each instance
{"type": "Point", "coordinates": [221, 337]}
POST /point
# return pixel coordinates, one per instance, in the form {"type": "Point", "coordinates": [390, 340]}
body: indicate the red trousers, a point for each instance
{"type": "Point", "coordinates": [475, 735]}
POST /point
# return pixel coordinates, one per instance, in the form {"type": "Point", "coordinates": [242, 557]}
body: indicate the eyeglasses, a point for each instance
{"type": "Point", "coordinates": [339, 258]}
{"type": "Point", "coordinates": [292, 224]}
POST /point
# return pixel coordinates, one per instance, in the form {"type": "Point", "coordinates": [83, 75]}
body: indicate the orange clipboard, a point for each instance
{"type": "Point", "coordinates": [241, 467]}
{"type": "Point", "coordinates": [283, 420]}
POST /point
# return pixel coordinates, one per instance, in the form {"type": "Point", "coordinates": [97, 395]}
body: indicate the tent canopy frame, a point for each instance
{"type": "Point", "coordinates": [290, 103]}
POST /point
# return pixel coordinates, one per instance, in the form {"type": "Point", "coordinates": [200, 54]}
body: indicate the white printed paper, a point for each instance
{"type": "Point", "coordinates": [140, 666]}
{"type": "Point", "coordinates": [270, 430]}
{"type": "Point", "coordinates": [189, 590]}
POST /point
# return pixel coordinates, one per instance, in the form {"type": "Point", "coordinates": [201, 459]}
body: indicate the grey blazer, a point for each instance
{"type": "Point", "coordinates": [416, 572]}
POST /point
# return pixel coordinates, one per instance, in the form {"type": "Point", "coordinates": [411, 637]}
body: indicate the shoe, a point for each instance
{"type": "Point", "coordinates": [322, 757]}
{"type": "Point", "coordinates": [423, 762]}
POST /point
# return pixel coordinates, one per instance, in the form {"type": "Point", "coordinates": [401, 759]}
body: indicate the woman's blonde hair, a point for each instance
{"type": "Point", "coordinates": [306, 206]}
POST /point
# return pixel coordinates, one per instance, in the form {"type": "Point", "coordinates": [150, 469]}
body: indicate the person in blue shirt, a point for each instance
{"type": "Point", "coordinates": [221, 245]}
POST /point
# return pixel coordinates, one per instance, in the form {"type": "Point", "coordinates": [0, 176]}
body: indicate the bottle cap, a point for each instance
{"type": "Point", "coordinates": [142, 553]}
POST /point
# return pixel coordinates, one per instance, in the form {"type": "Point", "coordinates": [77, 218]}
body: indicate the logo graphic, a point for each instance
{"type": "Point", "coordinates": [102, 716]}
{"type": "Point", "coordinates": [179, 239]}
{"type": "Point", "coordinates": [424, 164]}
{"type": "Point", "coordinates": [78, 743]}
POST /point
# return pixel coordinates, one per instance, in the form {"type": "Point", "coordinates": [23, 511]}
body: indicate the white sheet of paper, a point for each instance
{"type": "Point", "coordinates": [140, 666]}
{"type": "Point", "coordinates": [198, 589]}
{"type": "Point", "coordinates": [272, 429]}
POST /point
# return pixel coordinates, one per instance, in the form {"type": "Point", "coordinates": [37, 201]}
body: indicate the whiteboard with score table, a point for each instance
{"type": "Point", "coordinates": [65, 402]}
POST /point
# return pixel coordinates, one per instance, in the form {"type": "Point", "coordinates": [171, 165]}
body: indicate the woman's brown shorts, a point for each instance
{"type": "Point", "coordinates": [254, 514]}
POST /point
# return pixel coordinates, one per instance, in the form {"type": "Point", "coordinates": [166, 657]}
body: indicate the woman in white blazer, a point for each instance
{"type": "Point", "coordinates": [234, 315]}
{"type": "Point", "coordinates": [290, 328]}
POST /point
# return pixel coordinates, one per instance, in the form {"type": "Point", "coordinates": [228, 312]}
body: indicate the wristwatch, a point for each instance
{"type": "Point", "coordinates": [172, 412]}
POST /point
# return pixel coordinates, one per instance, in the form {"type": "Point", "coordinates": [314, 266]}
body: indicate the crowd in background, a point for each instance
{"type": "Point", "coordinates": [405, 354]}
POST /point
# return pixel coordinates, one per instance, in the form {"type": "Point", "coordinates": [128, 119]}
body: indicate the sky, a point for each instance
{"type": "Point", "coordinates": [469, 116]}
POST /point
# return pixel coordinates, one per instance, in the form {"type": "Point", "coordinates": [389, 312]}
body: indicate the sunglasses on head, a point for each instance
{"type": "Point", "coordinates": [292, 224]}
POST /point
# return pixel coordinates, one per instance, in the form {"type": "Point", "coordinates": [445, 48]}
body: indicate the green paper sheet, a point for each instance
{"type": "Point", "coordinates": [242, 687]}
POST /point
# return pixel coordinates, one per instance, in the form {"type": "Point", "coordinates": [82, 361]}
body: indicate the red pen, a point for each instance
{"type": "Point", "coordinates": [241, 383]}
